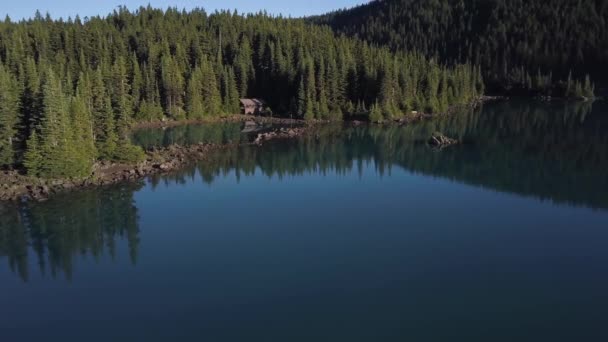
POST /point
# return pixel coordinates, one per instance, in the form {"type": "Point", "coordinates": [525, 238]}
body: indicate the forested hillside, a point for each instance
{"type": "Point", "coordinates": [523, 47]}
{"type": "Point", "coordinates": [70, 90]}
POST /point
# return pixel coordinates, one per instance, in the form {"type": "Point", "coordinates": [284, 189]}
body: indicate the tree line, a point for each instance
{"type": "Point", "coordinates": [71, 89]}
{"type": "Point", "coordinates": [524, 47]}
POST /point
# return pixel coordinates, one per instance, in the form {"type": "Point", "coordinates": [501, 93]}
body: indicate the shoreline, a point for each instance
{"type": "Point", "coordinates": [17, 187]}
{"type": "Point", "coordinates": [234, 118]}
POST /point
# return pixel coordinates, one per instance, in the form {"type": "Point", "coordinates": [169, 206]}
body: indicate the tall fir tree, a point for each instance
{"type": "Point", "coordinates": [9, 117]}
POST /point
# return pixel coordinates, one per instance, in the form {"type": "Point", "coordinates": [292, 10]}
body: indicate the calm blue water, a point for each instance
{"type": "Point", "coordinates": [355, 234]}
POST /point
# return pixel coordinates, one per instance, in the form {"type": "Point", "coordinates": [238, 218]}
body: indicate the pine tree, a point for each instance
{"type": "Point", "coordinates": [444, 102]}
{"type": "Point", "coordinates": [84, 153]}
{"type": "Point", "coordinates": [194, 96]}
{"type": "Point", "coordinates": [302, 98]}
{"type": "Point", "coordinates": [9, 116]}
{"type": "Point", "coordinates": [33, 156]}
{"type": "Point", "coordinates": [311, 97]}
{"type": "Point", "coordinates": [136, 82]}
{"type": "Point", "coordinates": [432, 87]}
{"type": "Point", "coordinates": [232, 98]}
{"type": "Point", "coordinates": [121, 99]}
{"type": "Point", "coordinates": [107, 139]}
{"type": "Point", "coordinates": [212, 100]}
{"type": "Point", "coordinates": [31, 99]}
{"type": "Point", "coordinates": [243, 68]}
{"type": "Point", "coordinates": [150, 108]}
{"type": "Point", "coordinates": [55, 143]}
{"type": "Point", "coordinates": [375, 114]}
{"type": "Point", "coordinates": [173, 87]}
{"type": "Point", "coordinates": [98, 107]}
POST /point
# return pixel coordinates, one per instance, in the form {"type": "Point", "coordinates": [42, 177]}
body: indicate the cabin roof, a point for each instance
{"type": "Point", "coordinates": [252, 102]}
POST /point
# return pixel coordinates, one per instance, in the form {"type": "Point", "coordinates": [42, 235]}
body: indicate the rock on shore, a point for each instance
{"type": "Point", "coordinates": [14, 186]}
{"type": "Point", "coordinates": [440, 140]}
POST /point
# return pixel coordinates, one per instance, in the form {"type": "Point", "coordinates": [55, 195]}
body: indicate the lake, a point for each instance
{"type": "Point", "coordinates": [352, 234]}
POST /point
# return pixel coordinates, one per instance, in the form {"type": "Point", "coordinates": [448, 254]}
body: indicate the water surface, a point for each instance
{"type": "Point", "coordinates": [352, 234]}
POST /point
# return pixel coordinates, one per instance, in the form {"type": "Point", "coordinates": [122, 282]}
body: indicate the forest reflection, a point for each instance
{"type": "Point", "coordinates": [57, 232]}
{"type": "Point", "coordinates": [556, 152]}
{"type": "Point", "coordinates": [548, 152]}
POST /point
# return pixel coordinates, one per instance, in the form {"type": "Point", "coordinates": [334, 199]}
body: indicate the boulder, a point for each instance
{"type": "Point", "coordinates": [440, 140]}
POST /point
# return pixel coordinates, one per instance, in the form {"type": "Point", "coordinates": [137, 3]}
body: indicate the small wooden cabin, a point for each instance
{"type": "Point", "coordinates": [252, 106]}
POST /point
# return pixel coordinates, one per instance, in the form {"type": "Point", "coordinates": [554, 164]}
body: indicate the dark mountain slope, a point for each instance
{"type": "Point", "coordinates": [511, 39]}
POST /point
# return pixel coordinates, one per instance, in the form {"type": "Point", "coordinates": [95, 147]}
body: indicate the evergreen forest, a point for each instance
{"type": "Point", "coordinates": [546, 48]}
{"type": "Point", "coordinates": [70, 90]}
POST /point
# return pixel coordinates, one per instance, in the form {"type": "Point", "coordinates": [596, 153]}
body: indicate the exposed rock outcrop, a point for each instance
{"type": "Point", "coordinates": [439, 140]}
{"type": "Point", "coordinates": [14, 186]}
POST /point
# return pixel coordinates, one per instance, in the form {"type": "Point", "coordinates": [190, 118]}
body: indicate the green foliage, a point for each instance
{"type": "Point", "coordinates": [375, 115]}
{"type": "Point", "coordinates": [212, 105]}
{"type": "Point", "coordinates": [230, 92]}
{"type": "Point", "coordinates": [195, 105]}
{"type": "Point", "coordinates": [9, 116]}
{"type": "Point", "coordinates": [149, 111]}
{"type": "Point", "coordinates": [33, 156]}
{"type": "Point", "coordinates": [60, 150]}
{"type": "Point", "coordinates": [84, 151]}
{"type": "Point", "coordinates": [129, 153]}
{"type": "Point", "coordinates": [173, 87]}
{"type": "Point", "coordinates": [70, 91]}
{"type": "Point", "coordinates": [510, 39]}
{"type": "Point", "coordinates": [108, 138]}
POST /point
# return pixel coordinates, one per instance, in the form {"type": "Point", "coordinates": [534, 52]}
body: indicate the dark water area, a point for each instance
{"type": "Point", "coordinates": [351, 234]}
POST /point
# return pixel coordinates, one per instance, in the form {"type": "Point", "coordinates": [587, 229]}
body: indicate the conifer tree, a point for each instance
{"type": "Point", "coordinates": [136, 83]}
{"type": "Point", "coordinates": [212, 100]}
{"type": "Point", "coordinates": [31, 97]}
{"type": "Point", "coordinates": [302, 98]}
{"type": "Point", "coordinates": [33, 156]}
{"type": "Point", "coordinates": [9, 117]}
{"type": "Point", "coordinates": [231, 99]}
{"type": "Point", "coordinates": [121, 98]}
{"type": "Point", "coordinates": [323, 106]}
{"type": "Point", "coordinates": [375, 115]}
{"type": "Point", "coordinates": [311, 97]}
{"type": "Point", "coordinates": [195, 107]}
{"type": "Point", "coordinates": [107, 140]}
{"type": "Point", "coordinates": [173, 87]}
{"type": "Point", "coordinates": [55, 144]}
{"type": "Point", "coordinates": [84, 153]}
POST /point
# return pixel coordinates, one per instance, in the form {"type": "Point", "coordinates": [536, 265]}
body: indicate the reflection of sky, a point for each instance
{"type": "Point", "coordinates": [65, 8]}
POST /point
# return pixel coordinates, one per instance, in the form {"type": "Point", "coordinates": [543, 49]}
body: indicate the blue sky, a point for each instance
{"type": "Point", "coordinates": [20, 9]}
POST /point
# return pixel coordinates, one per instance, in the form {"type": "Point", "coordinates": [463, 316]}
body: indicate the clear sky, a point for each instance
{"type": "Point", "coordinates": [19, 9]}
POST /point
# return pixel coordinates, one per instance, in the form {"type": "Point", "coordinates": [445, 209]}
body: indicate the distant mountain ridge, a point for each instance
{"type": "Point", "coordinates": [512, 40]}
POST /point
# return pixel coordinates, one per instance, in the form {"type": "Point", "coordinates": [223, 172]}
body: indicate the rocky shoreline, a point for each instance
{"type": "Point", "coordinates": [17, 187]}
{"type": "Point", "coordinates": [226, 119]}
